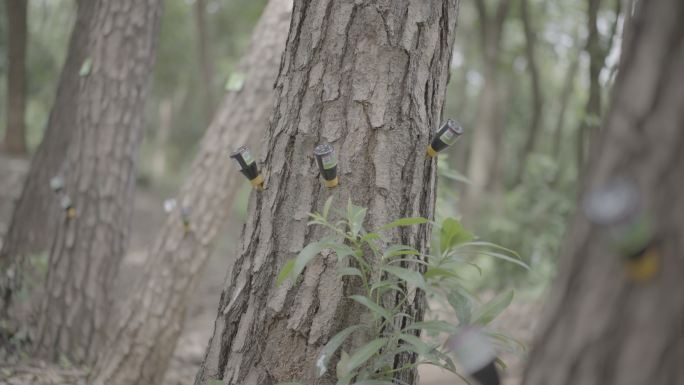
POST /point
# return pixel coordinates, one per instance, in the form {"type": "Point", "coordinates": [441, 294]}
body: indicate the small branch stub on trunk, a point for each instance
{"type": "Point", "coordinates": [248, 167]}
{"type": "Point", "coordinates": [445, 137]}
{"type": "Point", "coordinates": [327, 164]}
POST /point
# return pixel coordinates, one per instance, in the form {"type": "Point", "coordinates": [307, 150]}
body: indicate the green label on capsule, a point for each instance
{"type": "Point", "coordinates": [328, 161]}
{"type": "Point", "coordinates": [247, 157]}
{"type": "Point", "coordinates": [448, 137]}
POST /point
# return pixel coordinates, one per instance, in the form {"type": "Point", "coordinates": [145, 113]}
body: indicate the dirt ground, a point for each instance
{"type": "Point", "coordinates": [519, 320]}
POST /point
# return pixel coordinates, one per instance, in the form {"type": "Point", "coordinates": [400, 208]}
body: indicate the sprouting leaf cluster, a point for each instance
{"type": "Point", "coordinates": [389, 275]}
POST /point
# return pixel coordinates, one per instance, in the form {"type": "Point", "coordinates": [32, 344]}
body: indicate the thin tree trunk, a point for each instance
{"type": "Point", "coordinates": [151, 322]}
{"type": "Point", "coordinates": [537, 103]}
{"type": "Point", "coordinates": [568, 86]}
{"type": "Point", "coordinates": [369, 78]}
{"type": "Point", "coordinates": [601, 327]}
{"type": "Point", "coordinates": [204, 56]}
{"type": "Point", "coordinates": [101, 164]}
{"type": "Point", "coordinates": [17, 21]}
{"type": "Point", "coordinates": [483, 151]}
{"type": "Point", "coordinates": [598, 51]}
{"type": "Point", "coordinates": [34, 218]}
{"type": "Point", "coordinates": [158, 162]}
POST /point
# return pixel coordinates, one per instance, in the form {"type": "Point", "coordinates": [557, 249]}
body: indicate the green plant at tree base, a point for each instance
{"type": "Point", "coordinates": [389, 275]}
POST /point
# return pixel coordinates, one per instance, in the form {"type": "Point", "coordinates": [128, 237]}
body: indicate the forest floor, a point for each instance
{"type": "Point", "coordinates": [519, 320]}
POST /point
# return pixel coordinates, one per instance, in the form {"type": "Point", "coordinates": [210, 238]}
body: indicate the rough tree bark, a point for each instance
{"type": "Point", "coordinates": [101, 177]}
{"type": "Point", "coordinates": [535, 85]}
{"type": "Point", "coordinates": [483, 153]}
{"type": "Point", "coordinates": [601, 328]}
{"type": "Point", "coordinates": [369, 78]}
{"type": "Point", "coordinates": [17, 23]}
{"type": "Point", "coordinates": [204, 57]}
{"type": "Point", "coordinates": [34, 219]}
{"type": "Point", "coordinates": [146, 335]}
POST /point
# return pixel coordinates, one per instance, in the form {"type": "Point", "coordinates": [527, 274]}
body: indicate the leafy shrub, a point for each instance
{"type": "Point", "coordinates": [399, 270]}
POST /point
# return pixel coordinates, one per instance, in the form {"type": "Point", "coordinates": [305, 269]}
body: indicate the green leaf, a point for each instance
{"type": "Point", "coordinates": [410, 276]}
{"type": "Point", "coordinates": [461, 305]}
{"type": "Point", "coordinates": [487, 312]}
{"type": "Point", "coordinates": [236, 81]}
{"type": "Point", "coordinates": [349, 271]}
{"type": "Point", "coordinates": [326, 207]}
{"type": "Point", "coordinates": [331, 347]}
{"type": "Point", "coordinates": [340, 249]}
{"type": "Point", "coordinates": [220, 382]}
{"type": "Point", "coordinates": [452, 233]}
{"type": "Point", "coordinates": [434, 272]}
{"type": "Point", "coordinates": [303, 258]}
{"type": "Point", "coordinates": [355, 217]}
{"type": "Point", "coordinates": [432, 325]}
{"type": "Point", "coordinates": [385, 284]}
{"type": "Point", "coordinates": [404, 222]}
{"type": "Point", "coordinates": [342, 366]}
{"type": "Point", "coordinates": [500, 252]}
{"type": "Point", "coordinates": [395, 250]}
{"type": "Point", "coordinates": [374, 382]}
{"type": "Point", "coordinates": [86, 67]}
{"type": "Point", "coordinates": [419, 346]}
{"type": "Point", "coordinates": [373, 307]}
{"type": "Point", "coordinates": [364, 353]}
{"type": "Point", "coordinates": [285, 271]}
{"type": "Point", "coordinates": [508, 343]}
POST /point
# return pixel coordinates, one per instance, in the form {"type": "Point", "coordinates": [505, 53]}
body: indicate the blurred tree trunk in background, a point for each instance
{"type": "Point", "coordinates": [161, 138]}
{"type": "Point", "coordinates": [168, 106]}
{"type": "Point", "coordinates": [601, 328]}
{"type": "Point", "coordinates": [369, 78]}
{"type": "Point", "coordinates": [489, 113]}
{"type": "Point", "coordinates": [566, 93]}
{"type": "Point", "coordinates": [535, 85]}
{"type": "Point", "coordinates": [101, 166]}
{"type": "Point", "coordinates": [204, 56]}
{"type": "Point", "coordinates": [33, 221]}
{"type": "Point", "coordinates": [597, 49]}
{"type": "Point", "coordinates": [17, 22]}
{"type": "Point", "coordinates": [146, 335]}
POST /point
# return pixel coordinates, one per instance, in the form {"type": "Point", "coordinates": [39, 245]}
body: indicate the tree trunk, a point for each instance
{"type": "Point", "coordinates": [150, 325]}
{"type": "Point", "coordinates": [370, 79]}
{"type": "Point", "coordinates": [484, 152]}
{"type": "Point", "coordinates": [557, 149]}
{"type": "Point", "coordinates": [537, 103]}
{"type": "Point", "coordinates": [15, 133]}
{"type": "Point", "coordinates": [101, 178]}
{"type": "Point", "coordinates": [601, 327]}
{"type": "Point", "coordinates": [204, 56]}
{"type": "Point", "coordinates": [34, 219]}
{"type": "Point", "coordinates": [161, 138]}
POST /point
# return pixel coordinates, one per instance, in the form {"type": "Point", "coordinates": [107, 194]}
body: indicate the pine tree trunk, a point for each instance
{"type": "Point", "coordinates": [602, 328]}
{"type": "Point", "coordinates": [148, 330]}
{"type": "Point", "coordinates": [535, 81]}
{"type": "Point", "coordinates": [593, 109]}
{"type": "Point", "coordinates": [370, 79]}
{"type": "Point", "coordinates": [34, 217]}
{"type": "Point", "coordinates": [17, 20]}
{"type": "Point", "coordinates": [484, 150]}
{"type": "Point", "coordinates": [101, 164]}
{"type": "Point", "coordinates": [204, 57]}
